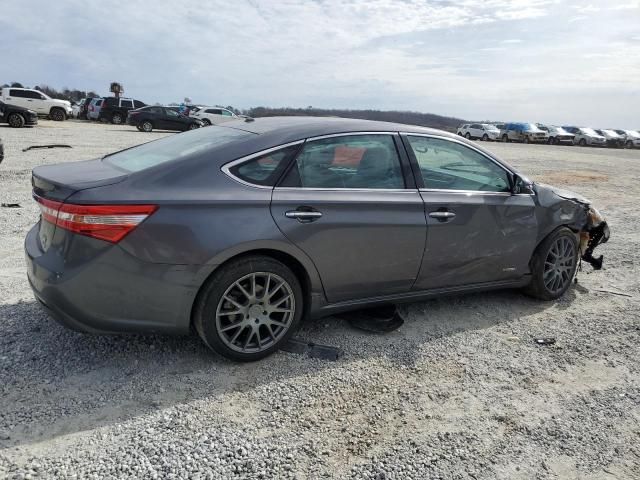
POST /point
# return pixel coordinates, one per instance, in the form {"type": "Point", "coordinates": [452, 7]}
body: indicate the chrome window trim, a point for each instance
{"type": "Point", "coordinates": [315, 189]}
{"type": "Point", "coordinates": [466, 192]}
{"type": "Point", "coordinates": [471, 147]}
{"type": "Point", "coordinates": [226, 168]}
{"type": "Point", "coordinates": [348, 134]}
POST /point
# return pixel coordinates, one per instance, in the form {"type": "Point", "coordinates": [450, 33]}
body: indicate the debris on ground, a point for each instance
{"type": "Point", "coordinates": [37, 147]}
{"type": "Point", "coordinates": [323, 352]}
{"type": "Point", "coordinates": [377, 320]}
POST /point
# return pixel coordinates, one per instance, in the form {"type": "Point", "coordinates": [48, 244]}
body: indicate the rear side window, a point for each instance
{"type": "Point", "coordinates": [18, 93]}
{"type": "Point", "coordinates": [213, 111]}
{"type": "Point", "coordinates": [265, 169]}
{"type": "Point", "coordinates": [174, 147]}
{"type": "Point", "coordinates": [351, 161]}
{"type": "Point", "coordinates": [138, 104]}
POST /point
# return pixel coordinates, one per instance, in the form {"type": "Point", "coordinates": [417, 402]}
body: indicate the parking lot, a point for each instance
{"type": "Point", "coordinates": [461, 390]}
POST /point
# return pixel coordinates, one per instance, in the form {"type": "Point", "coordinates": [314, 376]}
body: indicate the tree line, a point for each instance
{"type": "Point", "coordinates": [397, 116]}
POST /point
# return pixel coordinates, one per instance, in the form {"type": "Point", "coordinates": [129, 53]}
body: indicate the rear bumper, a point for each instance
{"type": "Point", "coordinates": [111, 292]}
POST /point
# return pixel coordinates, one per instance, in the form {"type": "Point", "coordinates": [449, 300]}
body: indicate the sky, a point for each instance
{"type": "Point", "coordinates": [551, 61]}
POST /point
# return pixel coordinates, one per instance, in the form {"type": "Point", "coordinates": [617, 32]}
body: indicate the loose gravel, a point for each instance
{"type": "Point", "coordinates": [459, 391]}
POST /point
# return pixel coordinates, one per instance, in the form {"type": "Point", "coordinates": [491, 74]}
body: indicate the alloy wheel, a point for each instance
{"type": "Point", "coordinates": [116, 119]}
{"type": "Point", "coordinates": [559, 265]}
{"type": "Point", "coordinates": [15, 120]}
{"type": "Point", "coordinates": [255, 312]}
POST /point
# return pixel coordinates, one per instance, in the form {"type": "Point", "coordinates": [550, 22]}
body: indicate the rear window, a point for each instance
{"type": "Point", "coordinates": [174, 147]}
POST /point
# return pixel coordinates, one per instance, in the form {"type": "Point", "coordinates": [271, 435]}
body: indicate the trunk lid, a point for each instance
{"type": "Point", "coordinates": [59, 182]}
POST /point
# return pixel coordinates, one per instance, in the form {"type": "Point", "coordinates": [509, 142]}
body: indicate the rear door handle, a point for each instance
{"type": "Point", "coordinates": [303, 216]}
{"type": "Point", "coordinates": [442, 215]}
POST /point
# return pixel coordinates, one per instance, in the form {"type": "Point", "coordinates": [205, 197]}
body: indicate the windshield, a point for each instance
{"type": "Point", "coordinates": [489, 127]}
{"type": "Point", "coordinates": [174, 147]}
{"type": "Point", "coordinates": [589, 131]}
{"type": "Point", "coordinates": [633, 134]}
{"type": "Point", "coordinates": [561, 131]}
{"type": "Point", "coordinates": [530, 127]}
{"type": "Point", "coordinates": [611, 133]}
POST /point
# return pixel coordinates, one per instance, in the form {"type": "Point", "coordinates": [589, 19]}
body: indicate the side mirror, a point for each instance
{"type": "Point", "coordinates": [522, 186]}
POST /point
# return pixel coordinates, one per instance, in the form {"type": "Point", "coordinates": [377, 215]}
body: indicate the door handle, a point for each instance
{"type": "Point", "coordinates": [442, 216]}
{"type": "Point", "coordinates": [303, 216]}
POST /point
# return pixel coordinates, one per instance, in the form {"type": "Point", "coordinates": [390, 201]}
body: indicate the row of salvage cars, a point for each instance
{"type": "Point", "coordinates": [551, 134]}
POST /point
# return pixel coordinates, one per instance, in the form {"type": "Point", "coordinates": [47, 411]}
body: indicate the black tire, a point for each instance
{"type": "Point", "coordinates": [551, 141]}
{"type": "Point", "coordinates": [542, 258]}
{"type": "Point", "coordinates": [57, 114]}
{"type": "Point", "coordinates": [629, 144]}
{"type": "Point", "coordinates": [505, 138]}
{"type": "Point", "coordinates": [218, 288]}
{"type": "Point", "coordinates": [485, 138]}
{"type": "Point", "coordinates": [15, 120]}
{"type": "Point", "coordinates": [467, 136]}
{"type": "Point", "coordinates": [146, 126]}
{"type": "Point", "coordinates": [117, 118]}
{"type": "Point", "coordinates": [139, 128]}
{"type": "Point", "coordinates": [206, 122]}
{"type": "Point", "coordinates": [193, 126]}
{"type": "Point", "coordinates": [582, 142]}
{"type": "Point", "coordinates": [526, 139]}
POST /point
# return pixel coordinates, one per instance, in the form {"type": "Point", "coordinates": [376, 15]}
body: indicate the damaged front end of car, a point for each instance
{"type": "Point", "coordinates": [595, 232]}
{"type": "Point", "coordinates": [579, 214]}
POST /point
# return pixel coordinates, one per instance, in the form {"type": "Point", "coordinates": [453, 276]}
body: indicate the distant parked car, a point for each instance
{"type": "Point", "coordinates": [482, 131]}
{"type": "Point", "coordinates": [523, 132]}
{"type": "Point", "coordinates": [213, 115]}
{"type": "Point", "coordinates": [93, 111]}
{"type": "Point", "coordinates": [557, 135]}
{"type": "Point", "coordinates": [613, 139]}
{"type": "Point", "coordinates": [37, 101]}
{"type": "Point", "coordinates": [631, 138]}
{"type": "Point", "coordinates": [115, 110]}
{"type": "Point", "coordinates": [1, 151]}
{"type": "Point", "coordinates": [586, 136]}
{"type": "Point", "coordinates": [17, 117]}
{"type": "Point", "coordinates": [83, 108]}
{"type": "Point", "coordinates": [163, 118]}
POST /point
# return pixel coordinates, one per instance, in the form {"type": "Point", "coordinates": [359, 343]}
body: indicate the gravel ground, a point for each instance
{"type": "Point", "coordinates": [459, 391]}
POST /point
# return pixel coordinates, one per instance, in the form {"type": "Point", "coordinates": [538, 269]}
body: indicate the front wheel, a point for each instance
{"type": "Point", "coordinates": [249, 308]}
{"type": "Point", "coordinates": [582, 142]}
{"type": "Point", "coordinates": [553, 265]}
{"type": "Point", "coordinates": [505, 138]}
{"type": "Point", "coordinates": [485, 138]}
{"type": "Point", "coordinates": [116, 118]}
{"type": "Point", "coordinates": [467, 136]}
{"type": "Point", "coordinates": [193, 126]}
{"type": "Point", "coordinates": [57, 114]}
{"type": "Point", "coordinates": [206, 122]}
{"type": "Point", "coordinates": [526, 139]}
{"type": "Point", "coordinates": [16, 120]}
{"type": "Point", "coordinates": [629, 144]}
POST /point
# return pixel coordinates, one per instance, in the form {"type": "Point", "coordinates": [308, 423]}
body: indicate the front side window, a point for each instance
{"type": "Point", "coordinates": [156, 110]}
{"type": "Point", "coordinates": [265, 169]}
{"type": "Point", "coordinates": [353, 161]}
{"type": "Point", "coordinates": [127, 103]}
{"type": "Point", "coordinates": [172, 113]}
{"type": "Point", "coordinates": [227, 113]}
{"type": "Point", "coordinates": [447, 165]}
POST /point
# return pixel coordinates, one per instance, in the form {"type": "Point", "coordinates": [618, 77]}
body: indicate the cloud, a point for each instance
{"type": "Point", "coordinates": [491, 59]}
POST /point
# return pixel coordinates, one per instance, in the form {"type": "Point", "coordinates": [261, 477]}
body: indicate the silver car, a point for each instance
{"type": "Point", "coordinates": [239, 231]}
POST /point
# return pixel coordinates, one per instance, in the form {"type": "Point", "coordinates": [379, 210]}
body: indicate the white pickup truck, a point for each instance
{"type": "Point", "coordinates": [37, 101]}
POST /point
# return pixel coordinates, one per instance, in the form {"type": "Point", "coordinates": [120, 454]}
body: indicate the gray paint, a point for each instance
{"type": "Point", "coordinates": [369, 247]}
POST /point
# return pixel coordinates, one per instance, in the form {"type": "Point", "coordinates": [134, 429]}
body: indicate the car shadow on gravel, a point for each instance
{"type": "Point", "coordinates": [54, 381]}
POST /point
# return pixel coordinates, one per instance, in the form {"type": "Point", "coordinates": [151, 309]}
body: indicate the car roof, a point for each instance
{"type": "Point", "coordinates": [305, 127]}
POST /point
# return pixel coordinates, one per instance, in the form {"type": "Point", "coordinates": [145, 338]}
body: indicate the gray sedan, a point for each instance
{"type": "Point", "coordinates": [239, 231]}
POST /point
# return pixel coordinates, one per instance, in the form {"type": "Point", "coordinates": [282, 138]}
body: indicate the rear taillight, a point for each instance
{"type": "Point", "coordinates": [105, 222]}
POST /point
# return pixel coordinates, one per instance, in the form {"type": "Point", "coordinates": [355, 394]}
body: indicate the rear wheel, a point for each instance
{"type": "Point", "coordinates": [629, 144]}
{"type": "Point", "coordinates": [467, 136]}
{"type": "Point", "coordinates": [193, 126]}
{"type": "Point", "coordinates": [116, 118]}
{"type": "Point", "coordinates": [553, 265]}
{"type": "Point", "coordinates": [505, 138]}
{"type": "Point", "coordinates": [16, 120]}
{"type": "Point", "coordinates": [249, 308]}
{"type": "Point", "coordinates": [582, 142]}
{"type": "Point", "coordinates": [146, 126]}
{"type": "Point", "coordinates": [57, 114]}
{"type": "Point", "coordinates": [526, 139]}
{"type": "Point", "coordinates": [206, 122]}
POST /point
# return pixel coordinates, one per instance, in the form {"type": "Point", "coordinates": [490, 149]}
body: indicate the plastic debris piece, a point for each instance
{"type": "Point", "coordinates": [545, 341]}
{"type": "Point", "coordinates": [10, 205]}
{"type": "Point", "coordinates": [377, 320]}
{"type": "Point", "coordinates": [313, 350]}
